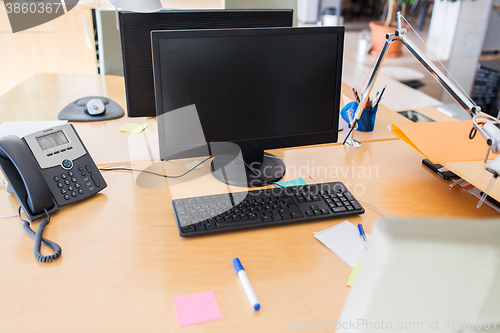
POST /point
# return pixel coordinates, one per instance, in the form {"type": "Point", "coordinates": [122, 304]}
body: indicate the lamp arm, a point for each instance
{"type": "Point", "coordinates": [400, 35]}
{"type": "Point", "coordinates": [373, 77]}
{"type": "Point", "coordinates": [486, 125]}
{"type": "Point", "coordinates": [369, 86]}
{"type": "Point", "coordinates": [464, 101]}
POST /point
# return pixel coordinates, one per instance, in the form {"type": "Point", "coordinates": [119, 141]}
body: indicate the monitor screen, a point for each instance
{"type": "Point", "coordinates": [258, 88]}
{"type": "Point", "coordinates": [135, 30]}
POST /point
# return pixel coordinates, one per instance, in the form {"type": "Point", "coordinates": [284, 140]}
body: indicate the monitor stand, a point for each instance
{"type": "Point", "coordinates": [264, 170]}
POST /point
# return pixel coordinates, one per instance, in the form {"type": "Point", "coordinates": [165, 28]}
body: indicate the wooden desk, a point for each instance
{"type": "Point", "coordinates": [123, 260]}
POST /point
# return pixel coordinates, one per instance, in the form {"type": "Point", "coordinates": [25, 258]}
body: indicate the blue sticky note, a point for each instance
{"type": "Point", "coordinates": [295, 182]}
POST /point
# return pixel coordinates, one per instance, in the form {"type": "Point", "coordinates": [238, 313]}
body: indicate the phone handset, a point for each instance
{"type": "Point", "coordinates": [31, 190]}
{"type": "Point", "coordinates": [25, 178]}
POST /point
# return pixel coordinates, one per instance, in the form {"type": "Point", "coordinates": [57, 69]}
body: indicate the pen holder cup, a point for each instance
{"type": "Point", "coordinates": [366, 122]}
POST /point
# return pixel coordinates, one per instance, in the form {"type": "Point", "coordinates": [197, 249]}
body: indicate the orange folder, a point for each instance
{"type": "Point", "coordinates": [444, 141]}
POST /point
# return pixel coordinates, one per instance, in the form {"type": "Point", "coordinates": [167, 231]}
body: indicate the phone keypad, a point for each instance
{"type": "Point", "coordinates": [73, 184]}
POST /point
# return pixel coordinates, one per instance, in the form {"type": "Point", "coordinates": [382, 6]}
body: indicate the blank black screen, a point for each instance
{"type": "Point", "coordinates": [247, 87]}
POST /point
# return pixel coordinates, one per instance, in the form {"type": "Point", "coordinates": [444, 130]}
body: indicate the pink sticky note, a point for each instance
{"type": "Point", "coordinates": [197, 308]}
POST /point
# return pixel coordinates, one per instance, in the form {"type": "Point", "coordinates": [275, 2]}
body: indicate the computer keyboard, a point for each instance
{"type": "Point", "coordinates": [259, 208]}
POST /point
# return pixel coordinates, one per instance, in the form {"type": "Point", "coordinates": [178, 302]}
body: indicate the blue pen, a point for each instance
{"type": "Point", "coordinates": [246, 284]}
{"type": "Point", "coordinates": [362, 234]}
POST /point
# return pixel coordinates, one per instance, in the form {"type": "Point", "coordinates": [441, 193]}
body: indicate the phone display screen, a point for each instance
{"type": "Point", "coordinates": [52, 140]}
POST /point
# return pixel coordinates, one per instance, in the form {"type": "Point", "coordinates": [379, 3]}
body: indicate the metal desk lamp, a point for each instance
{"type": "Point", "coordinates": [486, 125]}
{"type": "Point", "coordinates": [400, 36]}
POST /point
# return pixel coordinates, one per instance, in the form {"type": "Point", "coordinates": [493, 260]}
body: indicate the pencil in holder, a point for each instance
{"type": "Point", "coordinates": [366, 122]}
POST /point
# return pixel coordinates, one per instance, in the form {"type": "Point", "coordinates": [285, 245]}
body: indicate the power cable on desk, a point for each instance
{"type": "Point", "coordinates": [8, 216]}
{"type": "Point", "coordinates": [2, 184]}
{"type": "Point", "coordinates": [154, 173]}
{"type": "Point", "coordinates": [166, 176]}
{"type": "Point", "coordinates": [366, 202]}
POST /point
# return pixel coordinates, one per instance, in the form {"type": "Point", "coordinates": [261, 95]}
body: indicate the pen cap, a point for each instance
{"type": "Point", "coordinates": [237, 265]}
{"type": "Point", "coordinates": [361, 230]}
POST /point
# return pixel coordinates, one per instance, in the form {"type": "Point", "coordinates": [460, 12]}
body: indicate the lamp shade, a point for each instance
{"type": "Point", "coordinates": [142, 6]}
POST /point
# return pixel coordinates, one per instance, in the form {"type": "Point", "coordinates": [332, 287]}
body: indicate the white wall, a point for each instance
{"type": "Point", "coordinates": [468, 43]}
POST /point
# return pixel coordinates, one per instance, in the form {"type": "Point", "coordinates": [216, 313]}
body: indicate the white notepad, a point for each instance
{"type": "Point", "coordinates": [344, 240]}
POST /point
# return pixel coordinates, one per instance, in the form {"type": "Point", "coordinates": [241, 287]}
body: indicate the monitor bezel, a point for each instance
{"type": "Point", "coordinates": [267, 143]}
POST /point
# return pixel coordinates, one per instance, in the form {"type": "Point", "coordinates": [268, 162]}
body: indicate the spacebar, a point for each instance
{"type": "Point", "coordinates": [226, 224]}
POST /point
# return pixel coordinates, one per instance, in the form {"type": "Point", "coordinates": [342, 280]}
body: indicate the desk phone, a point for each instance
{"type": "Point", "coordinates": [45, 170]}
{"type": "Point", "coordinates": [48, 169]}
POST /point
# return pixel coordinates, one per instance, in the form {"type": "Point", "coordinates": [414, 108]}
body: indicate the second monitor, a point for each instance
{"type": "Point", "coordinates": [135, 30]}
{"type": "Point", "coordinates": [256, 88]}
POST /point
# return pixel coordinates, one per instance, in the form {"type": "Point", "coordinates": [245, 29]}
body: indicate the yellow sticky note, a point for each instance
{"type": "Point", "coordinates": [133, 128]}
{"type": "Point", "coordinates": [353, 273]}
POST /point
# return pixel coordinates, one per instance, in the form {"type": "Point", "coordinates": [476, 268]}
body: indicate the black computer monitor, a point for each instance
{"type": "Point", "coordinates": [258, 88]}
{"type": "Point", "coordinates": [135, 29]}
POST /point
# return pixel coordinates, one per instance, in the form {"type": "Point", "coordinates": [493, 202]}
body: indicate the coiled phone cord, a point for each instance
{"type": "Point", "coordinates": [39, 240]}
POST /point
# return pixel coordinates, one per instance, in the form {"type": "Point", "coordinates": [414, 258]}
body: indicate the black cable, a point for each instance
{"type": "Point", "coordinates": [185, 173]}
{"type": "Point", "coordinates": [473, 131]}
{"type": "Point", "coordinates": [154, 173]}
{"type": "Point", "coordinates": [39, 240]}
